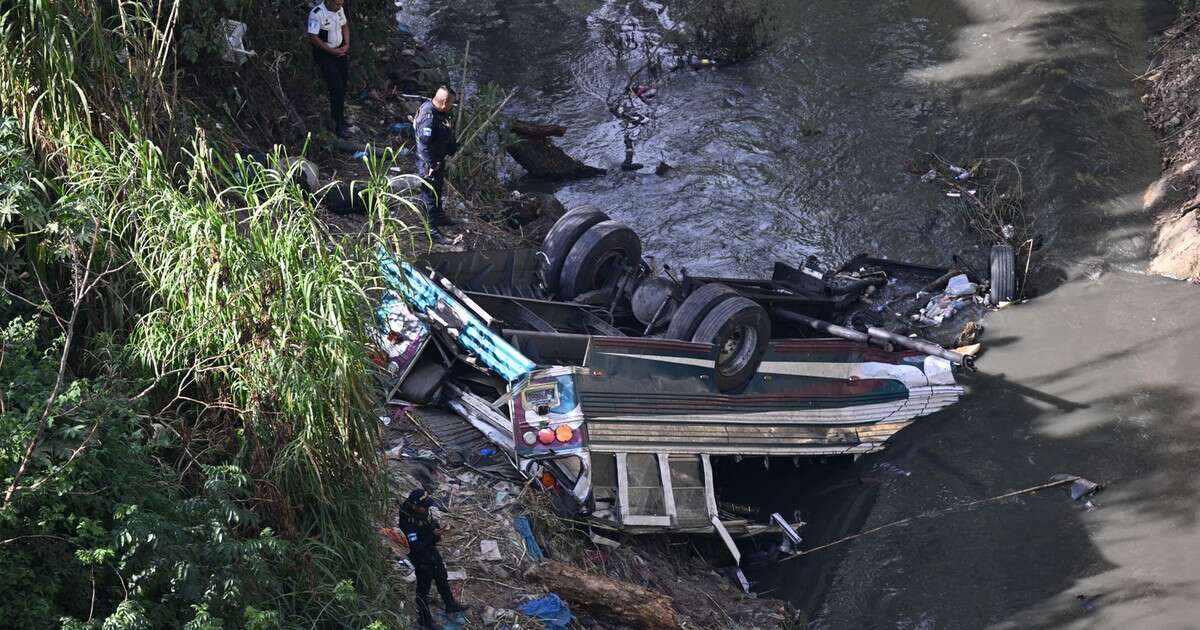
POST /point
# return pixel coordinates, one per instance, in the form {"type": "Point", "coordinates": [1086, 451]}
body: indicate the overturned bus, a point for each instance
{"type": "Point", "coordinates": [582, 360]}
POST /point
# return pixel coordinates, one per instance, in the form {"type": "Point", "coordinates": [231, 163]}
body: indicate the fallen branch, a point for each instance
{"type": "Point", "coordinates": [622, 602]}
{"type": "Point", "coordinates": [528, 129]}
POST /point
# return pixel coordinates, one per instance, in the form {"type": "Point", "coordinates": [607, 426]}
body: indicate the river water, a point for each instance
{"type": "Point", "coordinates": [800, 152]}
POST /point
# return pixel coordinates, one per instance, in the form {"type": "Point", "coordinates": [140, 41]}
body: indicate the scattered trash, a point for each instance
{"type": "Point", "coordinates": [385, 421]}
{"type": "Point", "coordinates": [551, 610]}
{"type": "Point", "coordinates": [930, 176]}
{"type": "Point", "coordinates": [939, 309]}
{"type": "Point", "coordinates": [960, 172]}
{"type": "Point", "coordinates": [892, 470]}
{"type": "Point", "coordinates": [953, 193]}
{"type": "Point", "coordinates": [234, 48]}
{"type": "Point", "coordinates": [444, 621]}
{"type": "Point", "coordinates": [607, 542]}
{"type": "Point", "coordinates": [501, 497]}
{"type": "Point", "coordinates": [959, 286]}
{"type": "Point", "coordinates": [358, 155]}
{"type": "Point", "coordinates": [521, 524]}
{"type": "Point", "coordinates": [645, 91]}
{"type": "Point", "coordinates": [969, 350]}
{"type": "Point", "coordinates": [1088, 601]}
{"type": "Point", "coordinates": [742, 581]}
{"type": "Point", "coordinates": [1080, 487]}
{"type": "Point", "coordinates": [490, 550]}
{"type": "Point", "coordinates": [487, 452]}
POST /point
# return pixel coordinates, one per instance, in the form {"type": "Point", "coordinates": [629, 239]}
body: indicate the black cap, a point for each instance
{"type": "Point", "coordinates": [419, 498]}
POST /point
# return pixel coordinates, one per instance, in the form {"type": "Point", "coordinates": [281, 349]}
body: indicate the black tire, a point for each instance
{"type": "Point", "coordinates": [561, 238]}
{"type": "Point", "coordinates": [695, 308]}
{"type": "Point", "coordinates": [423, 383]}
{"type": "Point", "coordinates": [597, 258]}
{"type": "Point", "coordinates": [1004, 275]}
{"type": "Point", "coordinates": [739, 330]}
{"type": "Point", "coordinates": [345, 198]}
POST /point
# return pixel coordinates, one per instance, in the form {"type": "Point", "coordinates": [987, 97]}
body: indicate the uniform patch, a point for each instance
{"type": "Point", "coordinates": [412, 537]}
{"type": "Point", "coordinates": [314, 25]}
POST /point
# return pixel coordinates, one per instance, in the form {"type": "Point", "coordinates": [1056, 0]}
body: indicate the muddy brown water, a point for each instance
{"type": "Point", "coordinates": [799, 152]}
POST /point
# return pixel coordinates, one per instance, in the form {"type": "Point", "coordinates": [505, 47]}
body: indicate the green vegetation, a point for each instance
{"type": "Point", "coordinates": [188, 433]}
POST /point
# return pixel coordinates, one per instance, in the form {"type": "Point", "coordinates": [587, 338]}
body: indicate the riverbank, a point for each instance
{"type": "Point", "coordinates": [1173, 87]}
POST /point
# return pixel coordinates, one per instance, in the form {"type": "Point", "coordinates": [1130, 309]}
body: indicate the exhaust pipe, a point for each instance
{"type": "Point", "coordinates": [878, 337]}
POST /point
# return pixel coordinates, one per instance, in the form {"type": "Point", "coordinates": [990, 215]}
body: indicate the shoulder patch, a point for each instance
{"type": "Point", "coordinates": [412, 537]}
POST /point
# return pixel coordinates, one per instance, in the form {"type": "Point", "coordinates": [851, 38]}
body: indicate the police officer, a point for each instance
{"type": "Point", "coordinates": [329, 34]}
{"type": "Point", "coordinates": [423, 534]}
{"type": "Point", "coordinates": [435, 143]}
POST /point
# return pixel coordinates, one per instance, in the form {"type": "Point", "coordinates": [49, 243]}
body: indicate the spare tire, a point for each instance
{"type": "Point", "coordinates": [561, 238]}
{"type": "Point", "coordinates": [599, 258]}
{"type": "Point", "coordinates": [695, 308]}
{"type": "Point", "coordinates": [739, 330]}
{"type": "Point", "coordinates": [1004, 275]}
{"type": "Point", "coordinates": [422, 383]}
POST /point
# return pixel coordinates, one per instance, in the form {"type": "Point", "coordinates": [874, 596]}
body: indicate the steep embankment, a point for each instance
{"type": "Point", "coordinates": [1172, 109]}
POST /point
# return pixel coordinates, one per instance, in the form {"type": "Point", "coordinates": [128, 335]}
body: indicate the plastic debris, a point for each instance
{"type": "Point", "coordinates": [1080, 487]}
{"type": "Point", "coordinates": [490, 550]}
{"type": "Point", "coordinates": [358, 155]}
{"type": "Point", "coordinates": [939, 309]}
{"type": "Point", "coordinates": [521, 524]}
{"type": "Point", "coordinates": [960, 172]}
{"type": "Point", "coordinates": [607, 542]}
{"type": "Point", "coordinates": [959, 286]}
{"type": "Point", "coordinates": [487, 452]}
{"type": "Point", "coordinates": [929, 176]}
{"type": "Point", "coordinates": [645, 91]}
{"type": "Point", "coordinates": [742, 581]}
{"type": "Point", "coordinates": [235, 51]}
{"type": "Point", "coordinates": [551, 610]}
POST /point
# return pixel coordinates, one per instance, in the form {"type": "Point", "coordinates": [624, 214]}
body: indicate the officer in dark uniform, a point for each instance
{"type": "Point", "coordinates": [423, 534]}
{"type": "Point", "coordinates": [435, 143]}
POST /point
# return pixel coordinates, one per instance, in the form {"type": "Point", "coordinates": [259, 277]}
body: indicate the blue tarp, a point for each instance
{"type": "Point", "coordinates": [550, 610]}
{"type": "Point", "coordinates": [521, 523]}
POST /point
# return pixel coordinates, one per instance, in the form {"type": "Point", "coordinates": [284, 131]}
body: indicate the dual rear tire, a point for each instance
{"type": "Point", "coordinates": [737, 327]}
{"type": "Point", "coordinates": [586, 251]}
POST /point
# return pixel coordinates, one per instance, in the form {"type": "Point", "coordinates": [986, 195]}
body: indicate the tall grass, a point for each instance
{"type": "Point", "coordinates": [249, 316]}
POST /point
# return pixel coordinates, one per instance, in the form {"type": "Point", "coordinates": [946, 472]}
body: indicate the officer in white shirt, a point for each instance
{"type": "Point", "coordinates": [330, 36]}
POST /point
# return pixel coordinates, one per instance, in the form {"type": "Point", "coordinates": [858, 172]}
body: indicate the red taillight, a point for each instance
{"type": "Point", "coordinates": [564, 433]}
{"type": "Point", "coordinates": [546, 436]}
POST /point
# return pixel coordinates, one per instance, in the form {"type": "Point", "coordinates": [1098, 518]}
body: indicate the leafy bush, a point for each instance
{"type": "Point", "coordinates": [188, 425]}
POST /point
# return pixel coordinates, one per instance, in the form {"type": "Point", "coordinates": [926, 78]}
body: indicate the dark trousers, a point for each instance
{"type": "Point", "coordinates": [432, 199]}
{"type": "Point", "coordinates": [336, 73]}
{"type": "Point", "coordinates": [428, 575]}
